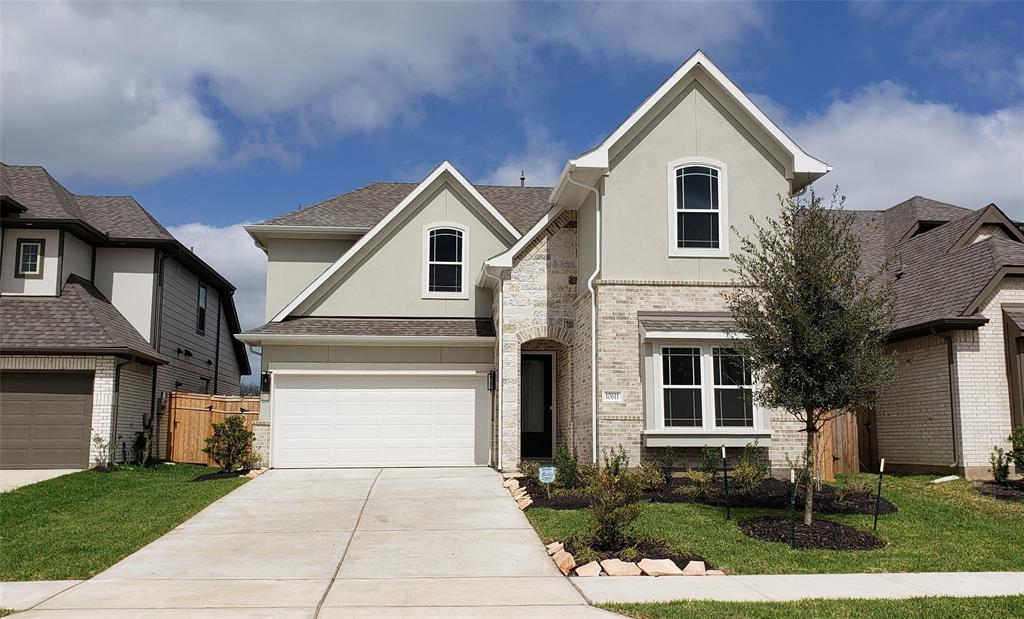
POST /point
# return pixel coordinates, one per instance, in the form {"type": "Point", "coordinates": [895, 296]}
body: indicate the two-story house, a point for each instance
{"type": "Point", "coordinates": [102, 313]}
{"type": "Point", "coordinates": [445, 323]}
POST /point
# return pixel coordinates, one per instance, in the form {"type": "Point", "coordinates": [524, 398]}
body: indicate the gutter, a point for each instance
{"type": "Point", "coordinates": [593, 307]}
{"type": "Point", "coordinates": [933, 327]}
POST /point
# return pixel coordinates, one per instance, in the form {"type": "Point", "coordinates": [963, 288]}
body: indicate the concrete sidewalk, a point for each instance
{"type": "Point", "coordinates": [789, 587]}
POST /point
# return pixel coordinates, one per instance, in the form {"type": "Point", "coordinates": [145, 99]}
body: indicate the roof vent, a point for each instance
{"type": "Point", "coordinates": [522, 178]}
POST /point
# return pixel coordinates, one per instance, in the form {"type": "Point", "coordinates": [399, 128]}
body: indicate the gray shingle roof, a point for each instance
{"type": "Point", "coordinates": [364, 207]}
{"type": "Point", "coordinates": [688, 322]}
{"type": "Point", "coordinates": [379, 327]}
{"type": "Point", "coordinates": [80, 320]}
{"type": "Point", "coordinates": [121, 217]}
{"type": "Point", "coordinates": [40, 194]}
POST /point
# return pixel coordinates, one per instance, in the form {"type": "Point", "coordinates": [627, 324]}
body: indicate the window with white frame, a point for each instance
{"type": "Point", "coordinates": [29, 258]}
{"type": "Point", "coordinates": [706, 386]}
{"type": "Point", "coordinates": [445, 270]}
{"type": "Point", "coordinates": [698, 209]}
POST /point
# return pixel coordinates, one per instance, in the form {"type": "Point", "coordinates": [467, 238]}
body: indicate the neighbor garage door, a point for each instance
{"type": "Point", "coordinates": [374, 420]}
{"type": "Point", "coordinates": [44, 420]}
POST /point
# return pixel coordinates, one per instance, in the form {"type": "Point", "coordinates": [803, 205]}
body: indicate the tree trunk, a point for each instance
{"type": "Point", "coordinates": [809, 469]}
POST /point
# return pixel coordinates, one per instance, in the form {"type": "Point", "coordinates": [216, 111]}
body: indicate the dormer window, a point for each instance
{"type": "Point", "coordinates": [698, 225]}
{"type": "Point", "coordinates": [29, 256]}
{"type": "Point", "coordinates": [444, 262]}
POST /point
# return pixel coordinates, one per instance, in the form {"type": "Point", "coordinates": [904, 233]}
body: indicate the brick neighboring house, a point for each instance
{"type": "Point", "coordinates": [102, 313]}
{"type": "Point", "coordinates": [445, 323]}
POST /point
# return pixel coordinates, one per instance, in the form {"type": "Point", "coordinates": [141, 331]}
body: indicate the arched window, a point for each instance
{"type": "Point", "coordinates": [445, 268]}
{"type": "Point", "coordinates": [697, 197]}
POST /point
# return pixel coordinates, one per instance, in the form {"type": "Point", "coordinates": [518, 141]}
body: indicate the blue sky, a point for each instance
{"type": "Point", "coordinates": [220, 113]}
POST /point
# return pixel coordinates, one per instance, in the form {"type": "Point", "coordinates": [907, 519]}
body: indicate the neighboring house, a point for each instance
{"type": "Point", "coordinates": [443, 323]}
{"type": "Point", "coordinates": [102, 313]}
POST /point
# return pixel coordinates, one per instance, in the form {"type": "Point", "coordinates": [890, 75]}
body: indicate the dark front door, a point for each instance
{"type": "Point", "coordinates": [535, 406]}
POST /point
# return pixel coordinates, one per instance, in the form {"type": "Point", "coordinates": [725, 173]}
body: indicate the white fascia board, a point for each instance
{"type": "Point", "coordinates": [802, 162]}
{"type": "Point", "coordinates": [688, 335]}
{"type": "Point", "coordinates": [257, 339]}
{"type": "Point", "coordinates": [262, 232]}
{"type": "Point", "coordinates": [382, 372]}
{"type": "Point", "coordinates": [383, 224]}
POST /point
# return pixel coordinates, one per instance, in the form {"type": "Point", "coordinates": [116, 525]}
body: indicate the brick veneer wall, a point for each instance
{"type": "Point", "coordinates": [133, 406]}
{"type": "Point", "coordinates": [103, 386]}
{"type": "Point", "coordinates": [261, 441]}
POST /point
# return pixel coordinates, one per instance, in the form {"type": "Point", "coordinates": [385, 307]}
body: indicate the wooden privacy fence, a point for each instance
{"type": "Point", "coordinates": [190, 419]}
{"type": "Point", "coordinates": [837, 448]}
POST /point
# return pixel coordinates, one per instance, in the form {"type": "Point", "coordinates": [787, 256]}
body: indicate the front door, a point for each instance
{"type": "Point", "coordinates": [536, 419]}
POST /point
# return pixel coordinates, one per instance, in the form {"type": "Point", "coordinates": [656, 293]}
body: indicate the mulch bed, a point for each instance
{"type": "Point", "coordinates": [222, 475]}
{"type": "Point", "coordinates": [1010, 491]}
{"type": "Point", "coordinates": [821, 534]}
{"type": "Point", "coordinates": [771, 494]}
{"type": "Point", "coordinates": [644, 549]}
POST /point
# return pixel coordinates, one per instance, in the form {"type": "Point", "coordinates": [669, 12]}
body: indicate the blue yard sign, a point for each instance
{"type": "Point", "coordinates": [547, 474]}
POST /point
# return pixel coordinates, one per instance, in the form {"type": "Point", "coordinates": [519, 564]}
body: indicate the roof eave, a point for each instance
{"type": "Point", "coordinates": [939, 325]}
{"type": "Point", "coordinates": [262, 339]}
{"type": "Point", "coordinates": [151, 357]}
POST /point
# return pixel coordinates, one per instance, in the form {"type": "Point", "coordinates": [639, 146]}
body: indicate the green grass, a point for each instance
{"type": "Point", "coordinates": [946, 527]}
{"type": "Point", "coordinates": [77, 525]}
{"type": "Point", "coordinates": [923, 608]}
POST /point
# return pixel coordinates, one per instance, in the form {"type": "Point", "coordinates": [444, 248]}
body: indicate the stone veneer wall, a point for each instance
{"type": "Point", "coordinates": [103, 385]}
{"type": "Point", "coordinates": [618, 351]}
{"type": "Point", "coordinates": [261, 441]}
{"type": "Point", "coordinates": [537, 297]}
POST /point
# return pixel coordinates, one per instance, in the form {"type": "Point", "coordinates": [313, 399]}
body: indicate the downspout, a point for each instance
{"type": "Point", "coordinates": [498, 375]}
{"type": "Point", "coordinates": [950, 359]}
{"type": "Point", "coordinates": [593, 309]}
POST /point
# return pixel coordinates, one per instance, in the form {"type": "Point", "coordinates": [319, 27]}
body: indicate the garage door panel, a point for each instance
{"type": "Point", "coordinates": [381, 421]}
{"type": "Point", "coordinates": [45, 419]}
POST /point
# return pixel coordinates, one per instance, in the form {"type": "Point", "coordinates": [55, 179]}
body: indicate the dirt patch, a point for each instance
{"type": "Point", "coordinates": [821, 534]}
{"type": "Point", "coordinates": [770, 494]}
{"type": "Point", "coordinates": [222, 475]}
{"type": "Point", "coordinates": [1010, 491]}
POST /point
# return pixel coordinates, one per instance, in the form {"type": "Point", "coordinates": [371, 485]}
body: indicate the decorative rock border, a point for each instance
{"type": "Point", "coordinates": [518, 492]}
{"type": "Point", "coordinates": [254, 473]}
{"type": "Point", "coordinates": [614, 567]}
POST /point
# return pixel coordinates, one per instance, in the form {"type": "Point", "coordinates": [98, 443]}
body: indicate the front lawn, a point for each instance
{"type": "Point", "coordinates": [946, 527]}
{"type": "Point", "coordinates": [923, 608]}
{"type": "Point", "coordinates": [77, 525]}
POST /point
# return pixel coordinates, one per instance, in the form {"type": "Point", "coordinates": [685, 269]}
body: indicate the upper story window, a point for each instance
{"type": "Point", "coordinates": [29, 258]}
{"type": "Point", "coordinates": [698, 209]}
{"type": "Point", "coordinates": [444, 262]}
{"type": "Point", "coordinates": [201, 309]}
{"type": "Point", "coordinates": [706, 386]}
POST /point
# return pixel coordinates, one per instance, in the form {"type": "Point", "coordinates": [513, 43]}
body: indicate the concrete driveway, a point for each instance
{"type": "Point", "coordinates": [14, 479]}
{"type": "Point", "coordinates": [339, 543]}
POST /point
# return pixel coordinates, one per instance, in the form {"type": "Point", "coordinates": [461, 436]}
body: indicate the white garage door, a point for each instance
{"type": "Point", "coordinates": [352, 421]}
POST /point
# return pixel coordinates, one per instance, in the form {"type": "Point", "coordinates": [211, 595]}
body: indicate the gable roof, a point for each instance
{"type": "Point", "coordinates": [938, 274]}
{"type": "Point", "coordinates": [378, 229]}
{"type": "Point", "coordinates": [598, 157]}
{"type": "Point", "coordinates": [366, 206]}
{"type": "Point", "coordinates": [80, 320]}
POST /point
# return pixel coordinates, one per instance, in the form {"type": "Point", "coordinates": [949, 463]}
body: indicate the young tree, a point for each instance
{"type": "Point", "coordinates": [813, 325]}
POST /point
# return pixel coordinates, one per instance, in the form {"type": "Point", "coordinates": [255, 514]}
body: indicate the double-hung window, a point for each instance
{"type": "Point", "coordinates": [697, 211]}
{"type": "Point", "coordinates": [29, 258]}
{"type": "Point", "coordinates": [444, 264]}
{"type": "Point", "coordinates": [201, 309]}
{"type": "Point", "coordinates": [705, 386]}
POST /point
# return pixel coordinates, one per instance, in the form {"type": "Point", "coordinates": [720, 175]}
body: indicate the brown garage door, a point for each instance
{"type": "Point", "coordinates": [44, 420]}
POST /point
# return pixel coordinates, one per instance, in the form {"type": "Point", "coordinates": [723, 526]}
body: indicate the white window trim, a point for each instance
{"type": "Point", "coordinates": [21, 244]}
{"type": "Point", "coordinates": [426, 292]}
{"type": "Point", "coordinates": [722, 251]}
{"type": "Point", "coordinates": [707, 426]}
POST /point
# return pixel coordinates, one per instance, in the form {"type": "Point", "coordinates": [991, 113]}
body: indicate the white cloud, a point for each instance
{"type": "Point", "coordinates": [886, 146]}
{"type": "Point", "coordinates": [541, 161]}
{"type": "Point", "coordinates": [128, 91]}
{"type": "Point", "coordinates": [231, 251]}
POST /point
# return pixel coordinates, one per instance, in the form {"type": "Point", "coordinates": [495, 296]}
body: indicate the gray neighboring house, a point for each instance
{"type": "Point", "coordinates": [102, 313]}
{"type": "Point", "coordinates": [444, 323]}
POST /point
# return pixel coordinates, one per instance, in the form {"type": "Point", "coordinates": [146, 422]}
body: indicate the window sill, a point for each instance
{"type": "Point", "coordinates": [453, 296]}
{"type": "Point", "coordinates": [686, 437]}
{"type": "Point", "coordinates": [698, 253]}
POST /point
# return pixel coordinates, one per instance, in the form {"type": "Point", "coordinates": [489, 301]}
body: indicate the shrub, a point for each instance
{"type": "Point", "coordinates": [567, 466]}
{"type": "Point", "coordinates": [585, 555]}
{"type": "Point", "coordinates": [615, 493]}
{"type": "Point", "coordinates": [1000, 465]}
{"type": "Point", "coordinates": [702, 479]}
{"type": "Point", "coordinates": [230, 444]}
{"type": "Point", "coordinates": [666, 462]}
{"type": "Point", "coordinates": [649, 476]}
{"type": "Point", "coordinates": [530, 469]}
{"type": "Point", "coordinates": [629, 554]}
{"type": "Point", "coordinates": [710, 460]}
{"type": "Point", "coordinates": [1016, 439]}
{"type": "Point", "coordinates": [752, 467]}
{"type": "Point", "coordinates": [104, 451]}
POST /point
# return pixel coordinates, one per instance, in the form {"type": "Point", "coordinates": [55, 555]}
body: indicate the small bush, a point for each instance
{"type": "Point", "coordinates": [567, 465]}
{"type": "Point", "coordinates": [649, 476]}
{"type": "Point", "coordinates": [616, 460]}
{"type": "Point", "coordinates": [230, 444]}
{"type": "Point", "coordinates": [686, 490]}
{"type": "Point", "coordinates": [710, 460]}
{"type": "Point", "coordinates": [585, 555]}
{"type": "Point", "coordinates": [666, 462]}
{"type": "Point", "coordinates": [629, 554]}
{"type": "Point", "coordinates": [615, 493]}
{"type": "Point", "coordinates": [703, 479]}
{"type": "Point", "coordinates": [1016, 439]}
{"type": "Point", "coordinates": [1000, 465]}
{"type": "Point", "coordinates": [530, 469]}
{"type": "Point", "coordinates": [752, 467]}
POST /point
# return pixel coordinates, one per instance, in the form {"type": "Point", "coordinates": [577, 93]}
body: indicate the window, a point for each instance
{"type": "Point", "coordinates": [706, 377]}
{"type": "Point", "coordinates": [445, 275]}
{"type": "Point", "coordinates": [201, 309]}
{"type": "Point", "coordinates": [29, 258]}
{"type": "Point", "coordinates": [697, 211]}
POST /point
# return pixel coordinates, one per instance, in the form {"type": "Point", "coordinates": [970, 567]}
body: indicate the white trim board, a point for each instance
{"type": "Point", "coordinates": [257, 339]}
{"type": "Point", "coordinates": [445, 167]}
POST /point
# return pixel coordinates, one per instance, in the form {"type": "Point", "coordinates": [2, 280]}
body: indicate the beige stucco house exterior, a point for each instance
{"type": "Point", "coordinates": [443, 323]}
